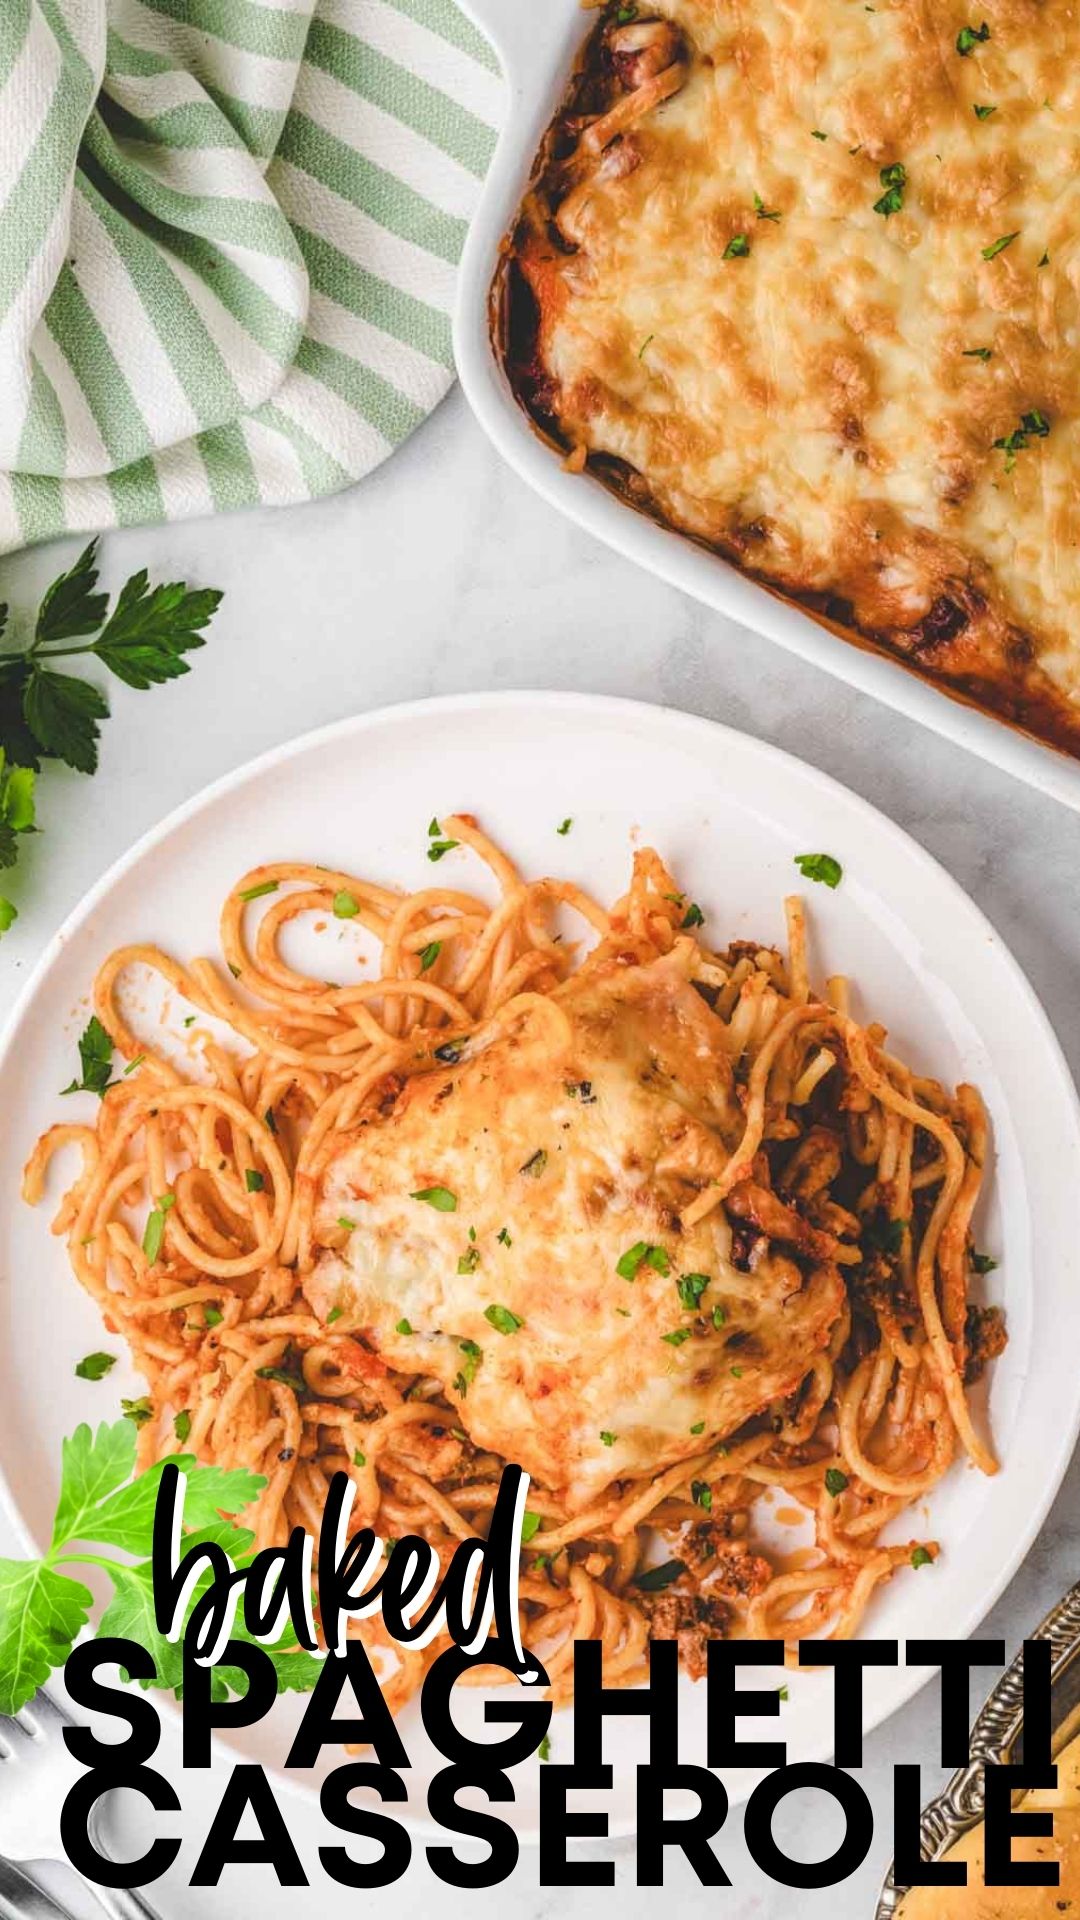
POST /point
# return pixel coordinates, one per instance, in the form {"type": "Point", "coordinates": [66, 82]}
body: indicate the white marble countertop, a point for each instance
{"type": "Point", "coordinates": [442, 573]}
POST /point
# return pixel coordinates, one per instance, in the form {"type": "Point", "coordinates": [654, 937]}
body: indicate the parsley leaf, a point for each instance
{"type": "Point", "coordinates": [152, 628]}
{"type": "Point", "coordinates": [62, 713]}
{"type": "Point", "coordinates": [502, 1319]}
{"type": "Point", "coordinates": [921, 1558]}
{"type": "Point", "coordinates": [95, 1060]}
{"type": "Point", "coordinates": [978, 353]}
{"type": "Point", "coordinates": [95, 1366]}
{"type": "Point", "coordinates": [999, 245]}
{"type": "Point", "coordinates": [655, 1579]}
{"type": "Point", "coordinates": [429, 954]}
{"type": "Point", "coordinates": [894, 180]}
{"type": "Point", "coordinates": [763, 212]}
{"type": "Point", "coordinates": [835, 1481]}
{"type": "Point", "coordinates": [71, 608]}
{"type": "Point", "coordinates": [820, 866]}
{"type": "Point", "coordinates": [440, 1198]}
{"type": "Point", "coordinates": [983, 113]}
{"type": "Point", "coordinates": [46, 714]}
{"type": "Point", "coordinates": [737, 247]}
{"type": "Point", "coordinates": [968, 39]}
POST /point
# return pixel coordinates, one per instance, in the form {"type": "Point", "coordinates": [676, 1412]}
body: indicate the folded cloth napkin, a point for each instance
{"type": "Point", "coordinates": [228, 238]}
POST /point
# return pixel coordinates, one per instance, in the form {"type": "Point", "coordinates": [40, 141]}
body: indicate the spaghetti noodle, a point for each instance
{"type": "Point", "coordinates": [225, 1164]}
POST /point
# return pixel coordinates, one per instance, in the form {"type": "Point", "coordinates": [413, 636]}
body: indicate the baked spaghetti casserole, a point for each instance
{"type": "Point", "coordinates": [801, 279]}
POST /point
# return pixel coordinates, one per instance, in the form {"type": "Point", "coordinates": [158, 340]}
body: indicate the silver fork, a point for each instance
{"type": "Point", "coordinates": [36, 1772]}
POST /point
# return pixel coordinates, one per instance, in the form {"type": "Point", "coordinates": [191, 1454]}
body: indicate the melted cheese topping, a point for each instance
{"type": "Point", "coordinates": [565, 1148]}
{"type": "Point", "coordinates": [816, 400]}
{"type": "Point", "coordinates": [979, 1902]}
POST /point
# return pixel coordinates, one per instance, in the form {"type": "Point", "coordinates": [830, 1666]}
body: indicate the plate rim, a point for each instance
{"type": "Point", "coordinates": [601, 707]}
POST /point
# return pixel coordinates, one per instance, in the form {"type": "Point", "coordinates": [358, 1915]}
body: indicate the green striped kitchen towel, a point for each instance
{"type": "Point", "coordinates": [228, 238]}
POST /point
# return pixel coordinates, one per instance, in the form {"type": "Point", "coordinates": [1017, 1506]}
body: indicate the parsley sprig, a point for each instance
{"type": "Point", "coordinates": [46, 714]}
{"type": "Point", "coordinates": [105, 1519]}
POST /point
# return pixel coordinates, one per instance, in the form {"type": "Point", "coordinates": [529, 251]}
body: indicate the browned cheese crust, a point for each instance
{"type": "Point", "coordinates": [803, 281]}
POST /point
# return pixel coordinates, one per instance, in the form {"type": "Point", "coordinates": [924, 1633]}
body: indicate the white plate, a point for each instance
{"type": "Point", "coordinates": [728, 813]}
{"type": "Point", "coordinates": [537, 47]}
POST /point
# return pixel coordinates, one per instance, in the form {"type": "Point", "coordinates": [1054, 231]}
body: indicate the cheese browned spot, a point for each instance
{"type": "Point", "coordinates": [584, 1155]}
{"type": "Point", "coordinates": [849, 401]}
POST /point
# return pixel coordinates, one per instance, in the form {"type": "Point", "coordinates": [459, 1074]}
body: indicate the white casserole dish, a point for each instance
{"type": "Point", "coordinates": [537, 46]}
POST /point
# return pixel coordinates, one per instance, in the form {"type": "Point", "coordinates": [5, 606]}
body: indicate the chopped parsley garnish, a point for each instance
{"type": "Point", "coordinates": [335, 1313]}
{"type": "Point", "coordinates": [820, 866]}
{"type": "Point", "coordinates": [503, 1237]}
{"type": "Point", "coordinates": [502, 1319]}
{"type": "Point", "coordinates": [627, 12]}
{"type": "Point", "coordinates": [403, 1328]}
{"type": "Point", "coordinates": [344, 1221]}
{"type": "Point", "coordinates": [968, 39]}
{"type": "Point", "coordinates": [701, 1494]}
{"type": "Point", "coordinates": [763, 212]}
{"type": "Point", "coordinates": [642, 1253]}
{"type": "Point", "coordinates": [609, 1439]}
{"type": "Point", "coordinates": [736, 1373]}
{"type": "Point", "coordinates": [429, 954]}
{"type": "Point", "coordinates": [269, 1121]}
{"type": "Point", "coordinates": [698, 1427]}
{"type": "Point", "coordinates": [295, 1381]}
{"type": "Point", "coordinates": [190, 1019]}
{"type": "Point", "coordinates": [719, 1317]}
{"type": "Point", "coordinates": [213, 1316]}
{"type": "Point", "coordinates": [544, 1749]}
{"type": "Point", "coordinates": [438, 846]}
{"type": "Point", "coordinates": [132, 1065]}
{"type": "Point", "coordinates": [782, 1693]}
{"type": "Point", "coordinates": [691, 1287]}
{"type": "Point", "coordinates": [894, 180]}
{"type": "Point", "coordinates": [535, 1164]}
{"type": "Point", "coordinates": [254, 1181]}
{"type": "Point", "coordinates": [835, 1481]}
{"type": "Point", "coordinates": [1045, 261]}
{"type": "Point", "coordinates": [565, 826]}
{"type": "Point", "coordinates": [257, 892]}
{"type": "Point", "coordinates": [469, 1260]}
{"type": "Point", "coordinates": [154, 1232]}
{"type": "Point", "coordinates": [655, 1579]}
{"type": "Point", "coordinates": [978, 353]}
{"type": "Point", "coordinates": [440, 1198]}
{"type": "Point", "coordinates": [676, 1337]}
{"type": "Point", "coordinates": [137, 1411]}
{"type": "Point", "coordinates": [346, 906]}
{"type": "Point", "coordinates": [530, 1524]}
{"type": "Point", "coordinates": [95, 1059]}
{"type": "Point", "coordinates": [883, 1235]}
{"type": "Point", "coordinates": [1032, 425]}
{"type": "Point", "coordinates": [981, 1262]}
{"type": "Point", "coordinates": [983, 113]}
{"type": "Point", "coordinates": [737, 247]}
{"type": "Point", "coordinates": [359, 1459]}
{"type": "Point", "coordinates": [580, 1090]}
{"type": "Point", "coordinates": [473, 1356]}
{"type": "Point", "coordinates": [999, 245]}
{"type": "Point", "coordinates": [182, 1425]}
{"type": "Point", "coordinates": [920, 1557]}
{"type": "Point", "coordinates": [95, 1366]}
{"type": "Point", "coordinates": [816, 134]}
{"type": "Point", "coordinates": [693, 917]}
